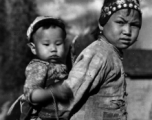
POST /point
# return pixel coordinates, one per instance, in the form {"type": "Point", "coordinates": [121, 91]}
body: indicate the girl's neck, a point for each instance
{"type": "Point", "coordinates": [119, 51]}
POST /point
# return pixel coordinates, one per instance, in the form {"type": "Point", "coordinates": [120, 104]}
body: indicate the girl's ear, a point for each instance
{"type": "Point", "coordinates": [32, 47]}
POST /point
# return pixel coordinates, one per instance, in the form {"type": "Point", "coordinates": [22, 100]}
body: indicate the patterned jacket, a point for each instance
{"type": "Point", "coordinates": [98, 84]}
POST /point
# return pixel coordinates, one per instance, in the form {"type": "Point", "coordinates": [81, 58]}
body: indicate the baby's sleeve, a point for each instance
{"type": "Point", "coordinates": [35, 78]}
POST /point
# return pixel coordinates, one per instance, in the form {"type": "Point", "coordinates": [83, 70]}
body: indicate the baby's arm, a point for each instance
{"type": "Point", "coordinates": [39, 96]}
{"type": "Point", "coordinates": [61, 93]}
{"type": "Point", "coordinates": [34, 85]}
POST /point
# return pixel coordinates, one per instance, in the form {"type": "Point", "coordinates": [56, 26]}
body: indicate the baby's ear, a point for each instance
{"type": "Point", "coordinates": [32, 47]}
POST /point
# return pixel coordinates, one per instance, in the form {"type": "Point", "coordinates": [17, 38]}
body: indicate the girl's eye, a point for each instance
{"type": "Point", "coordinates": [136, 25]}
{"type": "Point", "coordinates": [120, 22]}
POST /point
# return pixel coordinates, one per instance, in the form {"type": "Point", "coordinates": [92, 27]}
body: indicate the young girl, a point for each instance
{"type": "Point", "coordinates": [104, 96]}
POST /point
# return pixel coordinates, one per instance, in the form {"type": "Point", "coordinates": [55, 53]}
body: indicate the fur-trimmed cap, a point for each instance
{"type": "Point", "coordinates": [111, 6]}
{"type": "Point", "coordinates": [43, 21]}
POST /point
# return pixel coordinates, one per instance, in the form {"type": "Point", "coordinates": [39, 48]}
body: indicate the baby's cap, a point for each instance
{"type": "Point", "coordinates": [42, 21]}
{"type": "Point", "coordinates": [111, 6]}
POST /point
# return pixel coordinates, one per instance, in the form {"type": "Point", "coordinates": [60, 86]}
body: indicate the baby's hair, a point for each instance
{"type": "Point", "coordinates": [45, 24]}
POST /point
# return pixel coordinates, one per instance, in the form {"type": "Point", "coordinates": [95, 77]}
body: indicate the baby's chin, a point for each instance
{"type": "Point", "coordinates": [55, 61]}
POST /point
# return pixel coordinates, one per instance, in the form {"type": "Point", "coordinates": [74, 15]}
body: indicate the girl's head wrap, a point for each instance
{"type": "Point", "coordinates": [111, 6]}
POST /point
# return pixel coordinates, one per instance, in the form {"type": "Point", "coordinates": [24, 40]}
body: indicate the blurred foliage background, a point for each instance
{"type": "Point", "coordinates": [15, 17]}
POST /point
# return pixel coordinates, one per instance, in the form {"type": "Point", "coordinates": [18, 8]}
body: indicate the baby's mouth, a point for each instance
{"type": "Point", "coordinates": [54, 58]}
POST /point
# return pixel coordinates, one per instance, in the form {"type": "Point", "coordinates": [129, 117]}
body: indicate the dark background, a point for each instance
{"type": "Point", "coordinates": [15, 17]}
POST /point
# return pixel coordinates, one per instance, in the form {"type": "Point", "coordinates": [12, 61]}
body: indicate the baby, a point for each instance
{"type": "Point", "coordinates": [42, 92]}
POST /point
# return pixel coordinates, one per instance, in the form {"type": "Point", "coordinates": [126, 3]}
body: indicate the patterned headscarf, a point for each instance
{"type": "Point", "coordinates": [111, 6]}
{"type": "Point", "coordinates": [42, 21]}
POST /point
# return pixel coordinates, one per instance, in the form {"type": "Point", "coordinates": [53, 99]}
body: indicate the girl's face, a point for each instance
{"type": "Point", "coordinates": [122, 28]}
{"type": "Point", "coordinates": [49, 44]}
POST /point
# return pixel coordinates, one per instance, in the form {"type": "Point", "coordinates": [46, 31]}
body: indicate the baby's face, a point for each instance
{"type": "Point", "coordinates": [49, 44]}
{"type": "Point", "coordinates": [122, 28]}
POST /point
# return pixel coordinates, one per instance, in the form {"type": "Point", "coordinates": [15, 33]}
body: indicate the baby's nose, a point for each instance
{"type": "Point", "coordinates": [52, 48]}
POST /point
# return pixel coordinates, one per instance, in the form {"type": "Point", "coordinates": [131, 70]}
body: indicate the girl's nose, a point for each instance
{"type": "Point", "coordinates": [127, 30]}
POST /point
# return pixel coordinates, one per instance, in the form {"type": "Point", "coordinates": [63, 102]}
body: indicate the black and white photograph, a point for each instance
{"type": "Point", "coordinates": [75, 59]}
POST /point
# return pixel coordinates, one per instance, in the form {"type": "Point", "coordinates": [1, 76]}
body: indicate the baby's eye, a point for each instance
{"type": "Point", "coordinates": [58, 43]}
{"type": "Point", "coordinates": [46, 44]}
